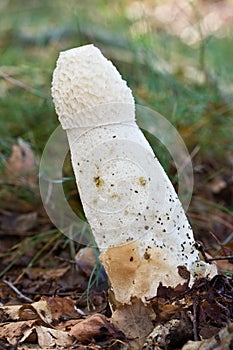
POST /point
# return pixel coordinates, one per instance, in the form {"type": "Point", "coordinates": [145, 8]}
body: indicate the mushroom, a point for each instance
{"type": "Point", "coordinates": [138, 222]}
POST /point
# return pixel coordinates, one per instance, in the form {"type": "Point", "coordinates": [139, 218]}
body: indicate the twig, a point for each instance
{"type": "Point", "coordinates": [21, 296]}
{"type": "Point", "coordinates": [201, 249]}
{"type": "Point", "coordinates": [69, 261]}
{"type": "Point", "coordinates": [50, 294]}
{"type": "Point", "coordinates": [230, 257]}
{"type": "Point", "coordinates": [220, 243]}
{"type": "Point", "coordinates": [195, 323]}
{"type": "Point", "coordinates": [23, 85]}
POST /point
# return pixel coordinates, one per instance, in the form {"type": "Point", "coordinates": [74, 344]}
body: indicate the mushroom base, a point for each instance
{"type": "Point", "coordinates": [133, 275]}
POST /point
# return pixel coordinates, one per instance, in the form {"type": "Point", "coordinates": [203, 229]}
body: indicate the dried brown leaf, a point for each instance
{"type": "Point", "coordinates": [31, 331]}
{"type": "Point", "coordinates": [37, 310]}
{"type": "Point", "coordinates": [15, 222]}
{"type": "Point", "coordinates": [96, 327]}
{"type": "Point", "coordinates": [9, 313]}
{"type": "Point", "coordinates": [135, 321]}
{"type": "Point", "coordinates": [21, 166]}
{"type": "Point", "coordinates": [61, 308]}
{"type": "Point", "coordinates": [164, 312]}
{"type": "Point", "coordinates": [43, 310]}
{"type": "Point", "coordinates": [49, 337]}
{"type": "Point", "coordinates": [14, 331]}
{"type": "Point", "coordinates": [48, 309]}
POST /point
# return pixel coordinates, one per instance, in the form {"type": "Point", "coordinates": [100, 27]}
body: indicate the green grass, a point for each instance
{"type": "Point", "coordinates": [32, 35]}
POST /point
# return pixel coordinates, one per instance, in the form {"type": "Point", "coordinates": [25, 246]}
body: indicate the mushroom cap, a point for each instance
{"type": "Point", "coordinates": [83, 80]}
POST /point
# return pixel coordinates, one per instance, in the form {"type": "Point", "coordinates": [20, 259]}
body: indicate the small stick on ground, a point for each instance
{"type": "Point", "coordinates": [20, 295]}
{"type": "Point", "coordinates": [195, 322]}
{"type": "Point", "coordinates": [228, 257]}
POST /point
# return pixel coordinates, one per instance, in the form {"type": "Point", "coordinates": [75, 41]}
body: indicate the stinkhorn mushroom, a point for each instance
{"type": "Point", "coordinates": [138, 222]}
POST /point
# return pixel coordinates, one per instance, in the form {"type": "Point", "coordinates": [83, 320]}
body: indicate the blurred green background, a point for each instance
{"type": "Point", "coordinates": [177, 59]}
{"type": "Point", "coordinates": [175, 55]}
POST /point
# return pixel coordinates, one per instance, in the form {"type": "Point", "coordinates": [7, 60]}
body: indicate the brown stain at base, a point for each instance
{"type": "Point", "coordinates": [121, 264]}
{"type": "Point", "coordinates": [121, 261]}
{"type": "Point", "coordinates": [133, 276]}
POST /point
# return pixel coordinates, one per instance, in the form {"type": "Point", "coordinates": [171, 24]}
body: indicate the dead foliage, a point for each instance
{"type": "Point", "coordinates": [195, 314]}
{"type": "Point", "coordinates": [170, 320]}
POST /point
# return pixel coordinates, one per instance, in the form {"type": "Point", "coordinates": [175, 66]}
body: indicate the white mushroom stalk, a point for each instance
{"type": "Point", "coordinates": [136, 217]}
